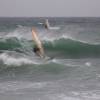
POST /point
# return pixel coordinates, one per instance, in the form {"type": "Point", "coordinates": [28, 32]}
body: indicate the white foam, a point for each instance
{"type": "Point", "coordinates": [20, 32]}
{"type": "Point", "coordinates": [53, 38]}
{"type": "Point", "coordinates": [88, 64]}
{"type": "Point", "coordinates": [58, 37]}
{"type": "Point", "coordinates": [62, 97]}
{"type": "Point", "coordinates": [66, 36]}
{"type": "Point", "coordinates": [87, 95]}
{"type": "Point", "coordinates": [19, 26]}
{"type": "Point", "coordinates": [19, 36]}
{"type": "Point", "coordinates": [9, 60]}
{"type": "Point", "coordinates": [54, 28]}
{"type": "Point", "coordinates": [18, 60]}
{"type": "Point", "coordinates": [68, 62]}
{"type": "Point", "coordinates": [16, 85]}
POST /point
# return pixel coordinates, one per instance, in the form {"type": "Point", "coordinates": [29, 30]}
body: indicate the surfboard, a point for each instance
{"type": "Point", "coordinates": [38, 42]}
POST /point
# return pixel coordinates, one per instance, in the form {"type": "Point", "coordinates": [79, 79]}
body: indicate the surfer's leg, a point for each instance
{"type": "Point", "coordinates": [39, 54]}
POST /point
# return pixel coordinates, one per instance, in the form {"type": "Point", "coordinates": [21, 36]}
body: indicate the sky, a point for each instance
{"type": "Point", "coordinates": [49, 8]}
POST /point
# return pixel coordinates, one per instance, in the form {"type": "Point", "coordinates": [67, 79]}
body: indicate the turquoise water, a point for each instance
{"type": "Point", "coordinates": [73, 73]}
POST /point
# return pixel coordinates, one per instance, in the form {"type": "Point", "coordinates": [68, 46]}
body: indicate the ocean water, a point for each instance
{"type": "Point", "coordinates": [72, 73]}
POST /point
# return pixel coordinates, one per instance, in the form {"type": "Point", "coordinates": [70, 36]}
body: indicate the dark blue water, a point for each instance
{"type": "Point", "coordinates": [72, 73]}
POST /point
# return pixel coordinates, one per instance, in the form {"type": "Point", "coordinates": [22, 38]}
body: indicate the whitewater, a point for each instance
{"type": "Point", "coordinates": [72, 73]}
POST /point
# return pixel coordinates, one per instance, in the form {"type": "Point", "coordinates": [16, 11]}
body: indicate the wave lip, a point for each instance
{"type": "Point", "coordinates": [73, 48]}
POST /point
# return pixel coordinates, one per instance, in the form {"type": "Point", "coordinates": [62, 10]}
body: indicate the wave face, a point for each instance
{"type": "Point", "coordinates": [17, 52]}
{"type": "Point", "coordinates": [65, 47]}
{"type": "Point", "coordinates": [71, 48]}
{"type": "Point", "coordinates": [72, 40]}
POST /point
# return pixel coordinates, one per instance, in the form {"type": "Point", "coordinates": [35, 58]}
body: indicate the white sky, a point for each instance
{"type": "Point", "coordinates": [50, 8]}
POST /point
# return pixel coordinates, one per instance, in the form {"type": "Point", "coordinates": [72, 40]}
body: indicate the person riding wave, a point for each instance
{"type": "Point", "coordinates": [38, 49]}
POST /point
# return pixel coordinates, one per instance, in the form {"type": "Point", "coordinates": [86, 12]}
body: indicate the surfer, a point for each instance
{"type": "Point", "coordinates": [38, 49]}
{"type": "Point", "coordinates": [48, 27]}
{"type": "Point", "coordinates": [46, 24]}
